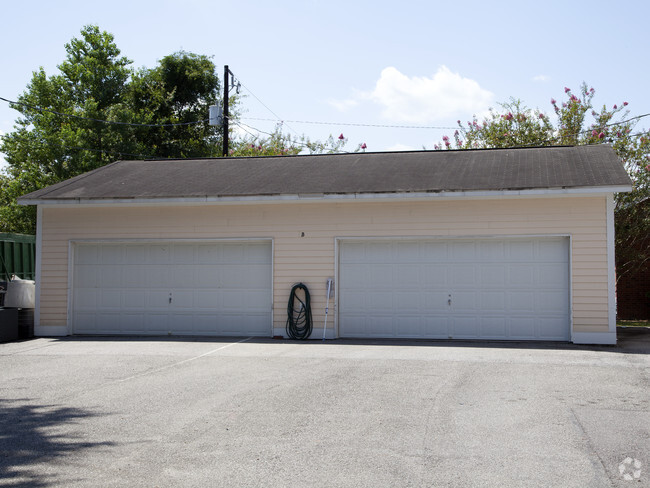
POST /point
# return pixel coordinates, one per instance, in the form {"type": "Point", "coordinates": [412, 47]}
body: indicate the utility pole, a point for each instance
{"type": "Point", "coordinates": [226, 85]}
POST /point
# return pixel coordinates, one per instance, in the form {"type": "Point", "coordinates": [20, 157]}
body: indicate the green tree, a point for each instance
{"type": "Point", "coordinates": [515, 125]}
{"type": "Point", "coordinates": [97, 109]}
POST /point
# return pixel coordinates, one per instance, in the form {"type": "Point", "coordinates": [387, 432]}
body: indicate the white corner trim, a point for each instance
{"type": "Point", "coordinates": [608, 338]}
{"type": "Point", "coordinates": [611, 265]}
{"type": "Point", "coordinates": [38, 264]}
{"type": "Point", "coordinates": [50, 330]}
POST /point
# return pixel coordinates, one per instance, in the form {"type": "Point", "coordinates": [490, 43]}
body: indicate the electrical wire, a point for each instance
{"type": "Point", "coordinates": [297, 143]}
{"type": "Point", "coordinates": [299, 321]}
{"type": "Point", "coordinates": [352, 124]}
{"type": "Point", "coordinates": [277, 117]}
{"type": "Point", "coordinates": [113, 122]}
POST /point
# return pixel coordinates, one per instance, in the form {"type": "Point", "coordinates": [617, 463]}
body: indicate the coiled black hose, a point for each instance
{"type": "Point", "coordinates": [299, 322]}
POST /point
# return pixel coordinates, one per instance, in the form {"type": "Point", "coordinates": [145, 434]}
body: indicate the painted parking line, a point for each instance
{"type": "Point", "coordinates": [185, 361]}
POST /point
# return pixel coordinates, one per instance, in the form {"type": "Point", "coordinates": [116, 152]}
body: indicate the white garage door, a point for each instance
{"type": "Point", "coordinates": [203, 288]}
{"type": "Point", "coordinates": [512, 289]}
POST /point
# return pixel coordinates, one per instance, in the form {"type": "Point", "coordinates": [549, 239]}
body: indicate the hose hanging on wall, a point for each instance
{"type": "Point", "coordinates": [299, 323]}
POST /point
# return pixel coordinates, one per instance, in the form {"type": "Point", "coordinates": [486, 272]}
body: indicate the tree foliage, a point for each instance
{"type": "Point", "coordinates": [97, 109]}
{"type": "Point", "coordinates": [515, 125]}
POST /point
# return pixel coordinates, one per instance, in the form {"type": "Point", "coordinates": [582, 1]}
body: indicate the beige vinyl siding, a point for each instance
{"type": "Point", "coordinates": [311, 259]}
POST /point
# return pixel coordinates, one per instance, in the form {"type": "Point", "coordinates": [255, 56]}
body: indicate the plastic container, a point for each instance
{"type": "Point", "coordinates": [20, 294]}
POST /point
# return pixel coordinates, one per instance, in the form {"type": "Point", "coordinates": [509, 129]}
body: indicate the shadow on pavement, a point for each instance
{"type": "Point", "coordinates": [35, 434]}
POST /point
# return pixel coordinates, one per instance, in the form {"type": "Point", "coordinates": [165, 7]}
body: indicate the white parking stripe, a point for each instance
{"type": "Point", "coordinates": [182, 362]}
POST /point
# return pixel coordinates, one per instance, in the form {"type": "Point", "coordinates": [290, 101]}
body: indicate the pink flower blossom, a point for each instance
{"type": "Point", "coordinates": [445, 138]}
{"type": "Point", "coordinates": [567, 90]}
{"type": "Point", "coordinates": [363, 146]}
{"type": "Point", "coordinates": [601, 135]}
{"type": "Point", "coordinates": [447, 143]}
{"type": "Point", "coordinates": [615, 107]}
{"type": "Point", "coordinates": [625, 104]}
{"type": "Point", "coordinates": [594, 133]}
{"type": "Point", "coordinates": [341, 137]}
{"type": "Point", "coordinates": [553, 101]}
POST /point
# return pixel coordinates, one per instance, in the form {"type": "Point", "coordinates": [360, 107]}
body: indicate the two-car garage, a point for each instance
{"type": "Point", "coordinates": [502, 289]}
{"type": "Point", "coordinates": [180, 288]}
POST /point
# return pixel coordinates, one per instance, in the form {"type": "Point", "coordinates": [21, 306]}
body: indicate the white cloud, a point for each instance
{"type": "Point", "coordinates": [343, 105]}
{"type": "Point", "coordinates": [422, 100]}
{"type": "Point", "coordinates": [541, 78]}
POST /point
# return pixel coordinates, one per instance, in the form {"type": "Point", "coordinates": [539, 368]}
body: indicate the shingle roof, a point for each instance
{"type": "Point", "coordinates": [356, 173]}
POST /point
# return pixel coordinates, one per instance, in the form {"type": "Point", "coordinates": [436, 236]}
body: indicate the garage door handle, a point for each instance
{"type": "Point", "coordinates": [170, 298]}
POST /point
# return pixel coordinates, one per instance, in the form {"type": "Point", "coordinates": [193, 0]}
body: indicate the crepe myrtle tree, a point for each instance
{"type": "Point", "coordinates": [515, 125]}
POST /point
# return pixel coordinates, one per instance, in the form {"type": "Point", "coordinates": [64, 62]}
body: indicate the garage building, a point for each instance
{"type": "Point", "coordinates": [503, 244]}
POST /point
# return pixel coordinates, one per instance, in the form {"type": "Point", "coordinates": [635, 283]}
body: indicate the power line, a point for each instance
{"type": "Point", "coordinates": [352, 124]}
{"type": "Point", "coordinates": [113, 122]}
{"type": "Point", "coordinates": [305, 145]}
{"type": "Point", "coordinates": [277, 117]}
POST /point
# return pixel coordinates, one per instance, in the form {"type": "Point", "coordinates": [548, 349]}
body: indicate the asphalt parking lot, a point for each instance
{"type": "Point", "coordinates": [163, 412]}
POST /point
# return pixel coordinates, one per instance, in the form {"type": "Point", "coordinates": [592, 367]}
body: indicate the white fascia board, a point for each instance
{"type": "Point", "coordinates": [366, 197]}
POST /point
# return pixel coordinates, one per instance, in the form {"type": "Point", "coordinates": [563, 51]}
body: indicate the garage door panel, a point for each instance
{"type": "Point", "coordinates": [521, 274]}
{"type": "Point", "coordinates": [159, 254]}
{"type": "Point", "coordinates": [406, 275]}
{"type": "Point", "coordinates": [522, 301]}
{"type": "Point", "coordinates": [380, 302]}
{"type": "Point", "coordinates": [406, 252]}
{"type": "Point", "coordinates": [126, 288]}
{"type": "Point", "coordinates": [157, 323]}
{"type": "Point", "coordinates": [500, 288]}
{"type": "Point", "coordinates": [522, 327]}
{"type": "Point", "coordinates": [463, 251]}
{"type": "Point", "coordinates": [494, 327]}
{"type": "Point", "coordinates": [436, 326]}
{"type": "Point", "coordinates": [493, 301]}
{"type": "Point", "coordinates": [111, 254]}
{"type": "Point", "coordinates": [521, 251]}
{"type": "Point", "coordinates": [465, 327]}
{"type": "Point", "coordinates": [552, 301]}
{"type": "Point", "coordinates": [463, 275]}
{"type": "Point", "coordinates": [408, 325]}
{"type": "Point", "coordinates": [434, 252]}
{"type": "Point", "coordinates": [435, 276]}
{"type": "Point", "coordinates": [552, 328]}
{"type": "Point", "coordinates": [465, 301]}
{"type": "Point", "coordinates": [491, 251]}
{"type": "Point", "coordinates": [111, 299]}
{"type": "Point", "coordinates": [491, 275]}
{"type": "Point", "coordinates": [553, 275]}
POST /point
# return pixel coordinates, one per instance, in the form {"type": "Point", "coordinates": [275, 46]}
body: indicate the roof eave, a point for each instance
{"type": "Point", "coordinates": [420, 195]}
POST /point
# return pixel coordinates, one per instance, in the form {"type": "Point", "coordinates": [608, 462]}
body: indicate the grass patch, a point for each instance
{"type": "Point", "coordinates": [633, 323]}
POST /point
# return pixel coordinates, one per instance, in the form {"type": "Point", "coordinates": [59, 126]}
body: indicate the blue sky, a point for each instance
{"type": "Point", "coordinates": [360, 62]}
